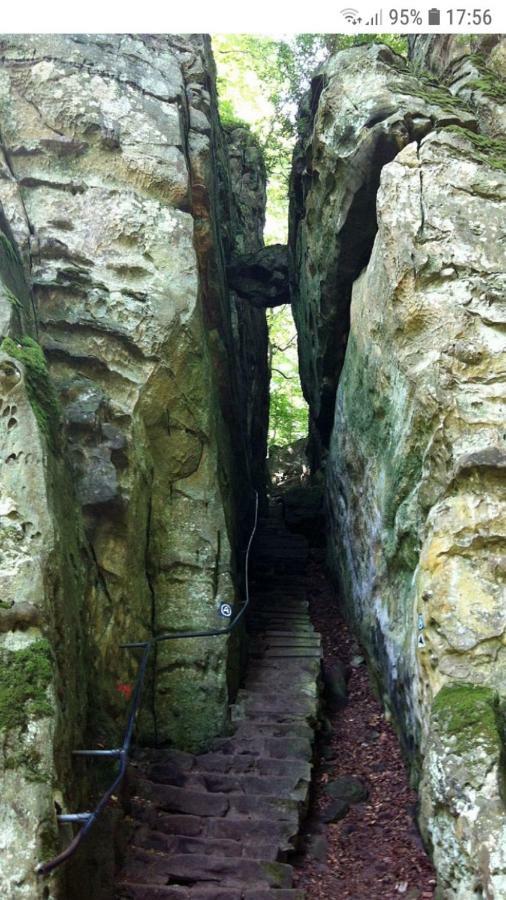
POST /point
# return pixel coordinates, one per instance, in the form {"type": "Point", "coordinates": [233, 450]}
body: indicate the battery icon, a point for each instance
{"type": "Point", "coordinates": [434, 17]}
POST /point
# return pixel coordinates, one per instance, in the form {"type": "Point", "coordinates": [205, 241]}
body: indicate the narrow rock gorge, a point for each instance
{"type": "Point", "coordinates": [134, 405]}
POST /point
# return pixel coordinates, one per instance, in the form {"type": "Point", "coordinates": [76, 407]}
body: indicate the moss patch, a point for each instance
{"type": "Point", "coordinates": [488, 82]}
{"type": "Point", "coordinates": [9, 250]}
{"type": "Point", "coordinates": [468, 713]}
{"type": "Point", "coordinates": [28, 760]}
{"type": "Point", "coordinates": [435, 93]}
{"type": "Point", "coordinates": [25, 676]}
{"type": "Point", "coordinates": [11, 297]}
{"type": "Point", "coordinates": [491, 151]}
{"type": "Point", "coordinates": [41, 392]}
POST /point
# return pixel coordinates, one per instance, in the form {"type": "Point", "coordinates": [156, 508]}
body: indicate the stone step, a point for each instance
{"type": "Point", "coordinates": [264, 643]}
{"type": "Point", "coordinates": [203, 803]}
{"type": "Point", "coordinates": [248, 730]}
{"type": "Point", "coordinates": [160, 842]}
{"type": "Point", "coordinates": [286, 602]}
{"type": "Point", "coordinates": [308, 665]}
{"type": "Point", "coordinates": [147, 867]}
{"type": "Point", "coordinates": [273, 746]}
{"type": "Point", "coordinates": [163, 768]}
{"type": "Point", "coordinates": [237, 829]}
{"type": "Point", "coordinates": [216, 762]}
{"type": "Point", "coordinates": [293, 652]}
{"type": "Point", "coordinates": [217, 826]}
{"type": "Point", "coordinates": [298, 630]}
{"type": "Point", "coordinates": [272, 703]}
{"type": "Point", "coordinates": [132, 891]}
{"type": "Point", "coordinates": [261, 687]}
{"type": "Point", "coordinates": [226, 783]}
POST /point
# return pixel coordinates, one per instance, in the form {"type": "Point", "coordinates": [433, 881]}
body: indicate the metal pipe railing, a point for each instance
{"type": "Point", "coordinates": [123, 753]}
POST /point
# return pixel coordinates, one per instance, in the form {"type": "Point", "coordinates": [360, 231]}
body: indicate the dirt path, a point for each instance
{"type": "Point", "coordinates": [375, 851]}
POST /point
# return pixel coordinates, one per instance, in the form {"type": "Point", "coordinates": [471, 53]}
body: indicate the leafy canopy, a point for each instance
{"type": "Point", "coordinates": [261, 82]}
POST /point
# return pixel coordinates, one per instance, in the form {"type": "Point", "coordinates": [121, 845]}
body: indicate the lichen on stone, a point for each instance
{"type": "Point", "coordinates": [25, 676]}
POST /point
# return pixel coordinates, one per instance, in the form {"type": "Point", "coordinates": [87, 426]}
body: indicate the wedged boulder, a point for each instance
{"type": "Point", "coordinates": [261, 278]}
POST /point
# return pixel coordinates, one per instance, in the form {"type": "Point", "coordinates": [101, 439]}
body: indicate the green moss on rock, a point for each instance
{"type": "Point", "coordinates": [468, 713]}
{"type": "Point", "coordinates": [488, 81]}
{"type": "Point", "coordinates": [491, 151]}
{"type": "Point", "coordinates": [9, 250]}
{"type": "Point", "coordinates": [25, 676]}
{"type": "Point", "coordinates": [41, 392]}
{"type": "Point", "coordinates": [29, 761]}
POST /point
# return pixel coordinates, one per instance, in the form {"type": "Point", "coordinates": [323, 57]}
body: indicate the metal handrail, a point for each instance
{"type": "Point", "coordinates": [122, 753]}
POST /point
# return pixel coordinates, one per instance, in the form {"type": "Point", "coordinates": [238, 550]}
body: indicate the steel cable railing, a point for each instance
{"type": "Point", "coordinates": [88, 819]}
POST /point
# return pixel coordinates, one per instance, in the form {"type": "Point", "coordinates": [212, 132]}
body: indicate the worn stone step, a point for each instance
{"type": "Point", "coordinates": [177, 799]}
{"type": "Point", "coordinates": [299, 688]}
{"type": "Point", "coordinates": [268, 621]}
{"type": "Point", "coordinates": [270, 718]}
{"type": "Point", "coordinates": [152, 839]}
{"type": "Point", "coordinates": [240, 783]}
{"type": "Point", "coordinates": [287, 602]}
{"type": "Point", "coordinates": [265, 628]}
{"type": "Point", "coordinates": [216, 762]}
{"type": "Point", "coordinates": [277, 595]}
{"type": "Point", "coordinates": [271, 702]}
{"type": "Point", "coordinates": [293, 652]}
{"type": "Point", "coordinates": [237, 829]}
{"type": "Point", "coordinates": [146, 867]}
{"type": "Point", "coordinates": [216, 826]}
{"type": "Point", "coordinates": [131, 891]}
{"type": "Point", "coordinates": [204, 803]}
{"type": "Point", "coordinates": [255, 831]}
{"type": "Point", "coordinates": [273, 730]}
{"type": "Point", "coordinates": [262, 643]}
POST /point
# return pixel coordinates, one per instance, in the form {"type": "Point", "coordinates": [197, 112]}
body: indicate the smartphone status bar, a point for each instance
{"type": "Point", "coordinates": [261, 17]}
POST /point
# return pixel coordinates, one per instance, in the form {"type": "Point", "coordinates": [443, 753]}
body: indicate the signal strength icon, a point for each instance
{"type": "Point", "coordinates": [375, 20]}
{"type": "Point", "coordinates": [352, 16]}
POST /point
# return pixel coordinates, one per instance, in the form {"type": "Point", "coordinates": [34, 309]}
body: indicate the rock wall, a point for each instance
{"type": "Point", "coordinates": [43, 647]}
{"type": "Point", "coordinates": [403, 177]}
{"type": "Point", "coordinates": [119, 189]}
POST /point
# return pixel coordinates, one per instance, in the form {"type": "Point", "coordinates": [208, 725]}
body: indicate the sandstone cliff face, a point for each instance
{"type": "Point", "coordinates": [43, 650]}
{"type": "Point", "coordinates": [118, 189]}
{"type": "Point", "coordinates": [392, 176]}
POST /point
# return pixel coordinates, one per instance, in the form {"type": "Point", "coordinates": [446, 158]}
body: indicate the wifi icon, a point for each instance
{"type": "Point", "coordinates": [352, 16]}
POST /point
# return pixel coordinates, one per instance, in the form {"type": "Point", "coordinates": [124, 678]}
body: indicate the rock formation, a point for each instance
{"type": "Point", "coordinates": [397, 245]}
{"type": "Point", "coordinates": [129, 462]}
{"type": "Point", "coordinates": [134, 406]}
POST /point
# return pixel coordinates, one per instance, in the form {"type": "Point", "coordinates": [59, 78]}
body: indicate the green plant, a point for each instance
{"type": "Point", "coordinates": [41, 392]}
{"type": "Point", "coordinates": [25, 676]}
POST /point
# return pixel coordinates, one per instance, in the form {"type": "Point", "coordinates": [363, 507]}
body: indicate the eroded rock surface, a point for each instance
{"type": "Point", "coordinates": [126, 201]}
{"type": "Point", "coordinates": [43, 650]}
{"type": "Point", "coordinates": [406, 183]}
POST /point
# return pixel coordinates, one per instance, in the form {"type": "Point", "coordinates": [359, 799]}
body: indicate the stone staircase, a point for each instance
{"type": "Point", "coordinates": [220, 825]}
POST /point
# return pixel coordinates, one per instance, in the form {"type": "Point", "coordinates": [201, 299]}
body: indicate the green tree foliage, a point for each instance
{"type": "Point", "coordinates": [261, 81]}
{"type": "Point", "coordinates": [288, 409]}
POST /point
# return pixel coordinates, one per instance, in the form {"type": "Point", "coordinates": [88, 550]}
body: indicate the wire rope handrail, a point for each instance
{"type": "Point", "coordinates": [122, 753]}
